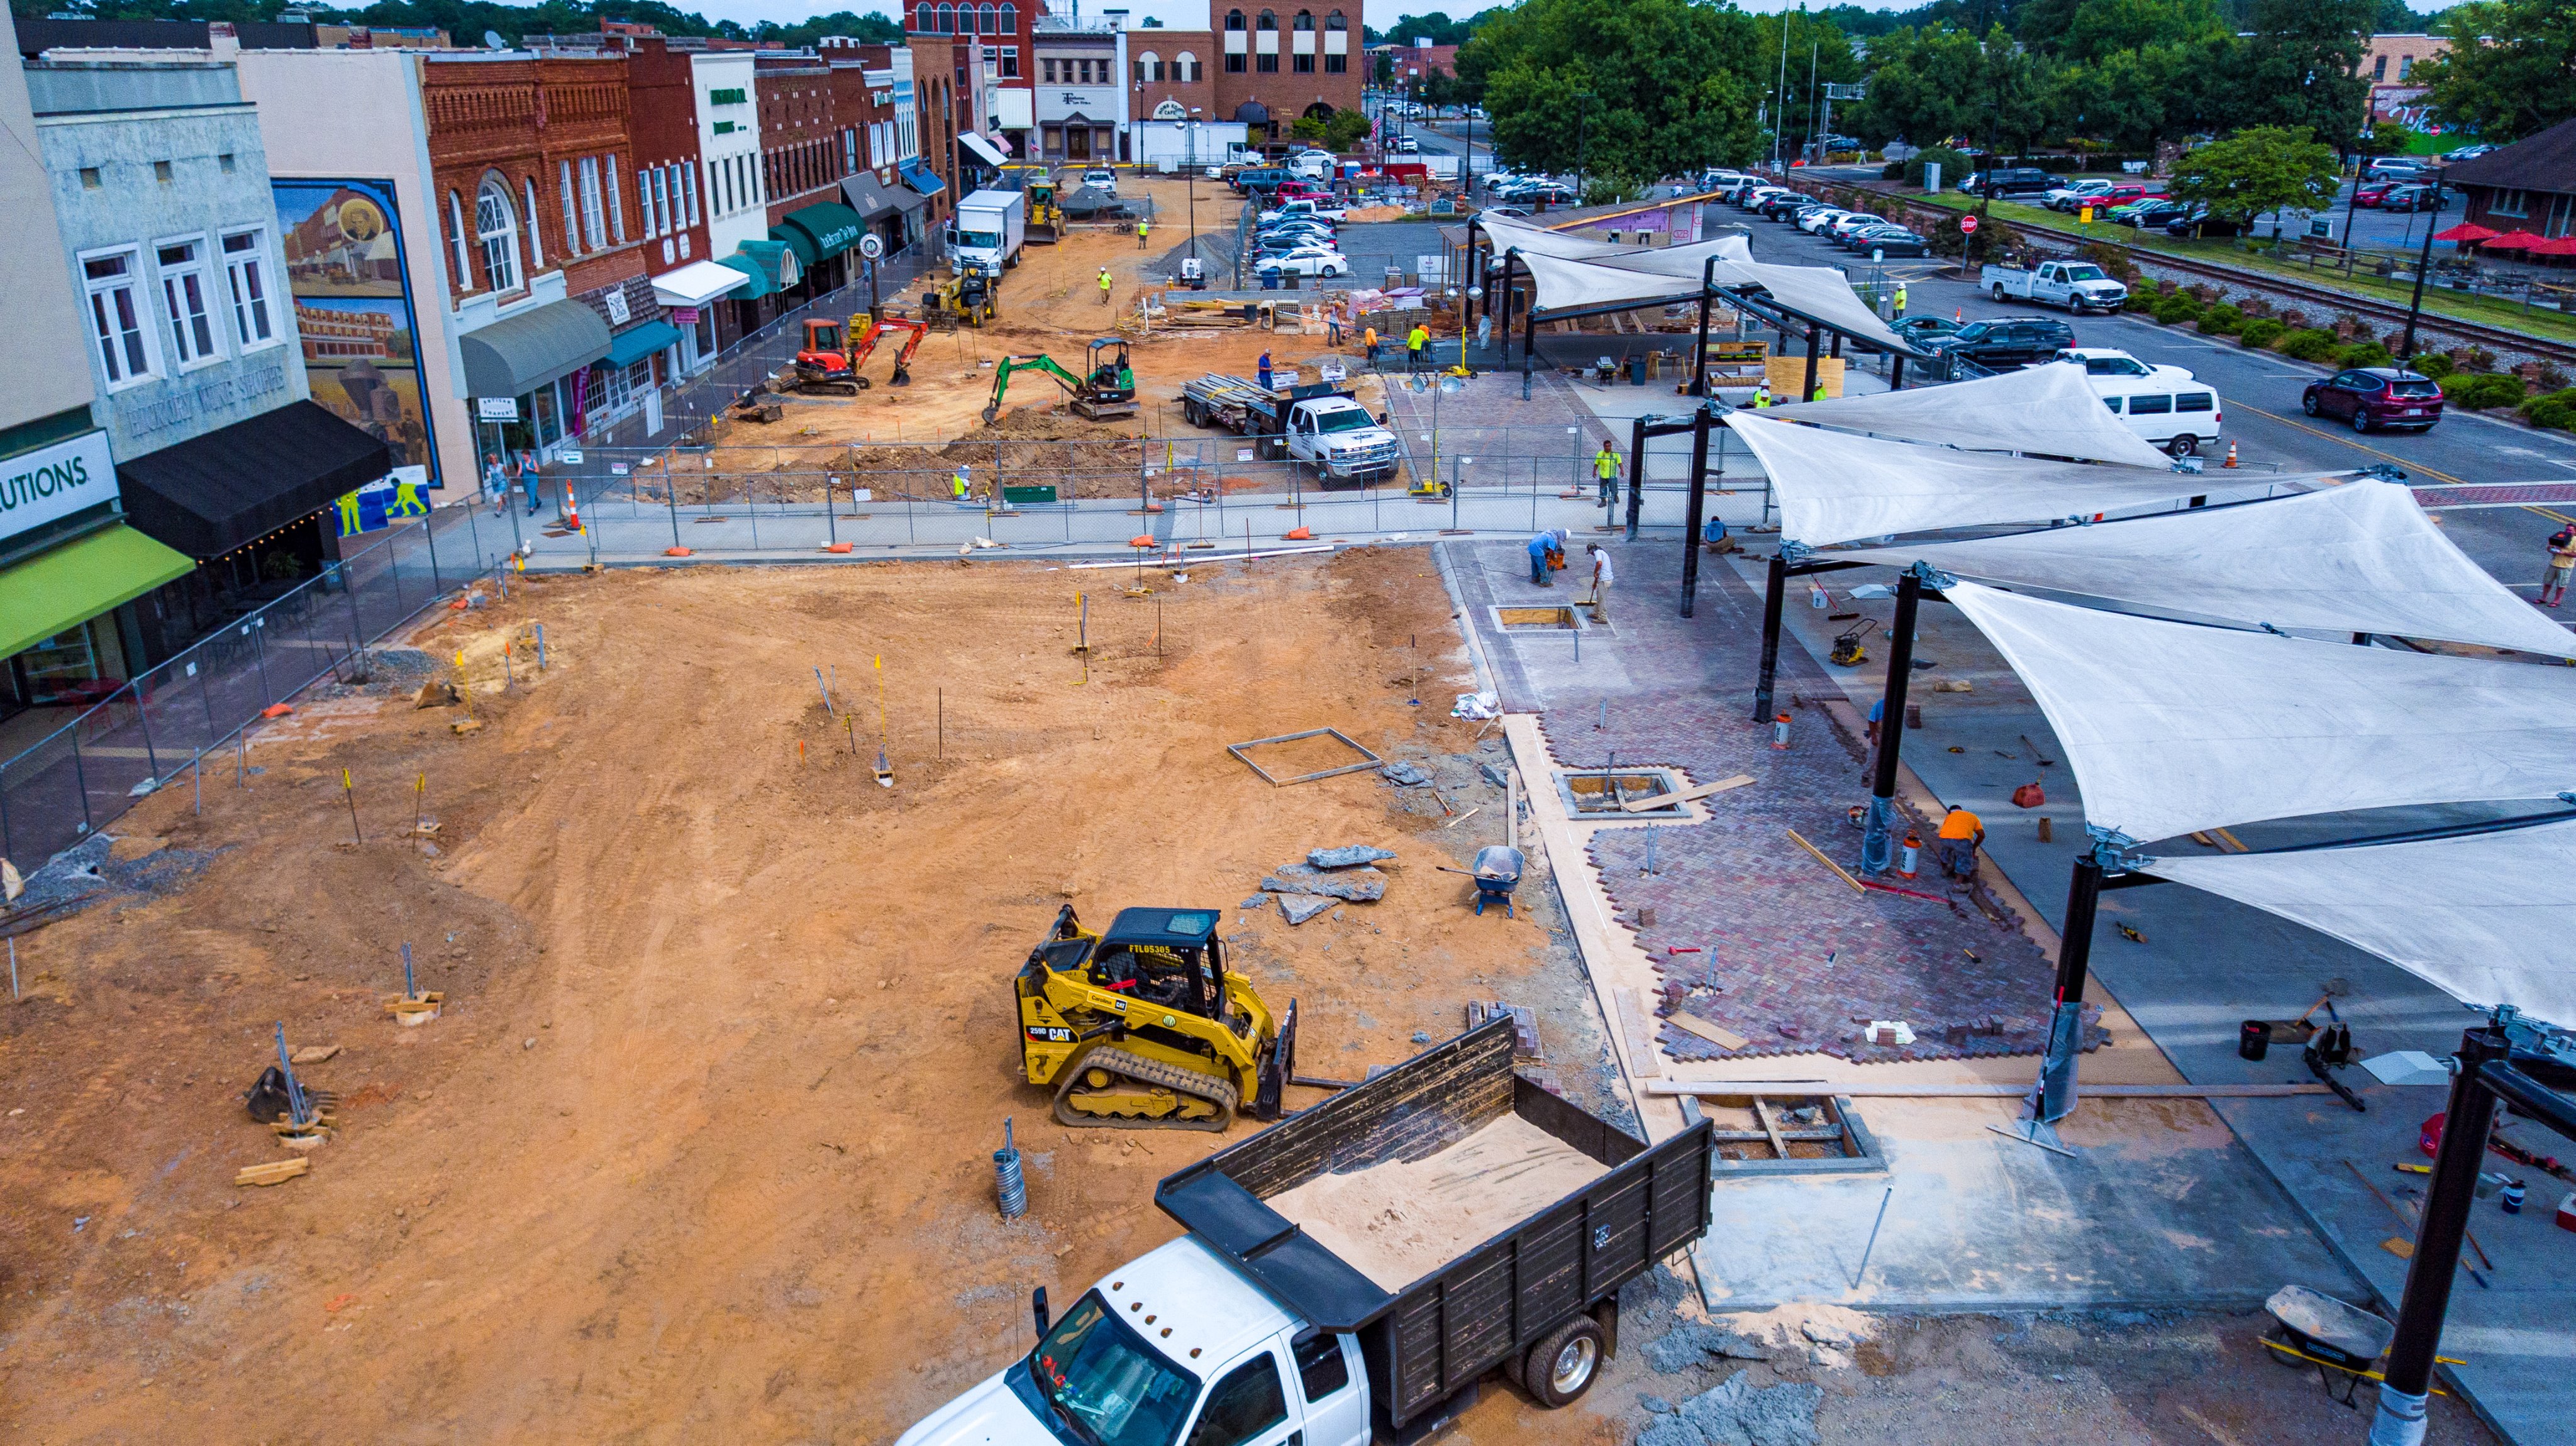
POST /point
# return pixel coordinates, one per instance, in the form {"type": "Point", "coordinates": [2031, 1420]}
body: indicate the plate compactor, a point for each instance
{"type": "Point", "coordinates": [1144, 1027]}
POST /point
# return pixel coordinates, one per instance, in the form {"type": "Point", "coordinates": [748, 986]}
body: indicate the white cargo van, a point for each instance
{"type": "Point", "coordinates": [2167, 405]}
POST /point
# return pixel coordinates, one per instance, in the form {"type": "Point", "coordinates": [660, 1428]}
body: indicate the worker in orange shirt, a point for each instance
{"type": "Point", "coordinates": [1961, 833]}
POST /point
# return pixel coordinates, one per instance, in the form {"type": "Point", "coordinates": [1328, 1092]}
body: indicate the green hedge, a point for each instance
{"type": "Point", "coordinates": [2175, 309]}
{"type": "Point", "coordinates": [2363, 354]}
{"type": "Point", "coordinates": [2261, 332]}
{"type": "Point", "coordinates": [2310, 344]}
{"type": "Point", "coordinates": [2557, 409]}
{"type": "Point", "coordinates": [2433, 364]}
{"type": "Point", "coordinates": [2484, 390]}
{"type": "Point", "coordinates": [2222, 320]}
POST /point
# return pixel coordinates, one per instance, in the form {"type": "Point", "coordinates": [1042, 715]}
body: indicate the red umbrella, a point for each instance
{"type": "Point", "coordinates": [2467, 231]}
{"type": "Point", "coordinates": [2555, 246]}
{"type": "Point", "coordinates": [2514, 241]}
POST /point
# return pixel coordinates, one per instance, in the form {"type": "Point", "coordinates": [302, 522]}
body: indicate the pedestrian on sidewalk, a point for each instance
{"type": "Point", "coordinates": [1600, 583]}
{"type": "Point", "coordinates": [1416, 343]}
{"type": "Point", "coordinates": [531, 479]}
{"type": "Point", "coordinates": [496, 482]}
{"type": "Point", "coordinates": [1605, 469]}
{"type": "Point", "coordinates": [1265, 371]}
{"type": "Point", "coordinates": [1104, 286]}
{"type": "Point", "coordinates": [1900, 301]}
{"type": "Point", "coordinates": [1961, 834]}
{"type": "Point", "coordinates": [2562, 562]}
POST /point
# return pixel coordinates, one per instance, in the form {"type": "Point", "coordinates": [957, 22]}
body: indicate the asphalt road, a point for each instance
{"type": "Point", "coordinates": [2259, 402]}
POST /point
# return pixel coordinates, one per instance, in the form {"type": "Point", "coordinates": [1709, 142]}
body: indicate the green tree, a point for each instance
{"type": "Point", "coordinates": [2511, 68]}
{"type": "Point", "coordinates": [1670, 83]}
{"type": "Point", "coordinates": [2303, 66]}
{"type": "Point", "coordinates": [1339, 132]}
{"type": "Point", "coordinates": [2258, 169]}
{"type": "Point", "coordinates": [1819, 54]}
{"type": "Point", "coordinates": [1943, 85]}
{"type": "Point", "coordinates": [2103, 28]}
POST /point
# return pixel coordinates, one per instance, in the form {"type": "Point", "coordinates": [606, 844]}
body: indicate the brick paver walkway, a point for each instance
{"type": "Point", "coordinates": [1791, 958]}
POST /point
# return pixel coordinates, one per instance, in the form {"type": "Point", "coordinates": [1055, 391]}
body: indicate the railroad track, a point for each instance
{"type": "Point", "coordinates": [2385, 311]}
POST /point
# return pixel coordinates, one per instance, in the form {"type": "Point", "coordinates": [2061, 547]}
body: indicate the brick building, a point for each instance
{"type": "Point", "coordinates": [1277, 66]}
{"type": "Point", "coordinates": [533, 179]}
{"type": "Point", "coordinates": [944, 102]}
{"type": "Point", "coordinates": [993, 71]}
{"type": "Point", "coordinates": [805, 151]}
{"type": "Point", "coordinates": [876, 100]}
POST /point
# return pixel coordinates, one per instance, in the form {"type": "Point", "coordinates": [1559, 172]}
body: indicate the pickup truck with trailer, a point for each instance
{"type": "Point", "coordinates": [1317, 423]}
{"type": "Point", "coordinates": [1284, 1317]}
{"type": "Point", "coordinates": [2079, 286]}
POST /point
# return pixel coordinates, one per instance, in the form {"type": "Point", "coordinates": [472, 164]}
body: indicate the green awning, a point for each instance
{"type": "Point", "coordinates": [762, 261]}
{"type": "Point", "coordinates": [824, 229]}
{"type": "Point", "coordinates": [633, 345]}
{"type": "Point", "coordinates": [79, 580]}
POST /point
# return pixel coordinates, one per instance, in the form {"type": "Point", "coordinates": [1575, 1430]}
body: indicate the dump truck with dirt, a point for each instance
{"type": "Point", "coordinates": [1318, 423]}
{"type": "Point", "coordinates": [1356, 1271]}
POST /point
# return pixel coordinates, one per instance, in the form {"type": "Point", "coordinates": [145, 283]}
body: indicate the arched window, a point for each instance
{"type": "Point", "coordinates": [496, 230]}
{"type": "Point", "coordinates": [947, 19]}
{"type": "Point", "coordinates": [1306, 20]}
{"type": "Point", "coordinates": [536, 241]}
{"type": "Point", "coordinates": [1335, 21]}
{"type": "Point", "coordinates": [1185, 67]}
{"type": "Point", "coordinates": [1268, 22]}
{"type": "Point", "coordinates": [1010, 19]}
{"type": "Point", "coordinates": [459, 248]}
{"type": "Point", "coordinates": [922, 19]}
{"type": "Point", "coordinates": [1234, 20]}
{"type": "Point", "coordinates": [1149, 67]}
{"type": "Point", "coordinates": [991, 19]}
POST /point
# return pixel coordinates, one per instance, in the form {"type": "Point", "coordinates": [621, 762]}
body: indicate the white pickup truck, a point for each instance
{"type": "Point", "coordinates": [1317, 423]}
{"type": "Point", "coordinates": [2079, 286]}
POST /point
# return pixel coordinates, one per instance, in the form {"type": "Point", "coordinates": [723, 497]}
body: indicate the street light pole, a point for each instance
{"type": "Point", "coordinates": [2423, 264]}
{"type": "Point", "coordinates": [1582, 146]}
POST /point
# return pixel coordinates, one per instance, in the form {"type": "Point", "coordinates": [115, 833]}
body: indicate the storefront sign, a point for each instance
{"type": "Point", "coordinates": [52, 483]}
{"type": "Point", "coordinates": [569, 456]}
{"type": "Point", "coordinates": [496, 409]}
{"type": "Point", "coordinates": [615, 298]}
{"type": "Point", "coordinates": [684, 316]}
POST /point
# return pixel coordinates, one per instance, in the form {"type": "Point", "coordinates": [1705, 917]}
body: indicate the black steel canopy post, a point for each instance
{"type": "Point", "coordinates": [1529, 341]}
{"type": "Point", "coordinates": [1878, 841]}
{"type": "Point", "coordinates": [1700, 424]}
{"type": "Point", "coordinates": [2065, 1027]}
{"type": "Point", "coordinates": [1815, 337]}
{"type": "Point", "coordinates": [2435, 1264]}
{"type": "Point", "coordinates": [1699, 358]}
{"type": "Point", "coordinates": [1775, 594]}
{"type": "Point", "coordinates": [1637, 434]}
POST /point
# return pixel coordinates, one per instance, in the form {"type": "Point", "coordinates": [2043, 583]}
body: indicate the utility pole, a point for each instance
{"type": "Point", "coordinates": [1814, 48]}
{"type": "Point", "coordinates": [2423, 264]}
{"type": "Point", "coordinates": [1780, 93]}
{"type": "Point", "coordinates": [1582, 145]}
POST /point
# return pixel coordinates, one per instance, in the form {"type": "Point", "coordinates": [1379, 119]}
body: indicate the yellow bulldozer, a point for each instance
{"type": "Point", "coordinates": [970, 294]}
{"type": "Point", "coordinates": [1143, 1027]}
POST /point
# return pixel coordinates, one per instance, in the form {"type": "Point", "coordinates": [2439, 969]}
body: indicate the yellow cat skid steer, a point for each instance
{"type": "Point", "coordinates": [1143, 1027]}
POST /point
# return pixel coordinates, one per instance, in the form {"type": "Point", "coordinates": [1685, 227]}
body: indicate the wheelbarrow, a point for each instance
{"type": "Point", "coordinates": [2313, 1328]}
{"type": "Point", "coordinates": [1497, 874]}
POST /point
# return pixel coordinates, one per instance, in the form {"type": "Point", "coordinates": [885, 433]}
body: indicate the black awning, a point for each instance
{"type": "Point", "coordinates": [518, 354]}
{"type": "Point", "coordinates": [211, 494]}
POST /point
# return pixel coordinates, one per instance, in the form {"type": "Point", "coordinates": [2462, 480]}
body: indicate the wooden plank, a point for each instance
{"type": "Point", "coordinates": [1687, 795]}
{"type": "Point", "coordinates": [1646, 1062]}
{"type": "Point", "coordinates": [275, 1172]}
{"type": "Point", "coordinates": [1721, 1037]}
{"type": "Point", "coordinates": [1801, 841]}
{"type": "Point", "coordinates": [1770, 1127]}
{"type": "Point", "coordinates": [1810, 1088]}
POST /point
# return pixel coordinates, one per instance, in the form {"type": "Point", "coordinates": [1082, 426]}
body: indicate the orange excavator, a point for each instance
{"type": "Point", "coordinates": [834, 351]}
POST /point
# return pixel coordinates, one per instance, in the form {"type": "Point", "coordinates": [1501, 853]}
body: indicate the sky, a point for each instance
{"type": "Point", "coordinates": [1185, 14]}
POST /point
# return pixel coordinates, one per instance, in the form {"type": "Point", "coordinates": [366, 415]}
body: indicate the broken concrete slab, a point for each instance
{"type": "Point", "coordinates": [1300, 907]}
{"type": "Point", "coordinates": [1693, 1343]}
{"type": "Point", "coordinates": [1255, 902]}
{"type": "Point", "coordinates": [1405, 775]}
{"type": "Point", "coordinates": [1358, 886]}
{"type": "Point", "coordinates": [1741, 1414]}
{"type": "Point", "coordinates": [1348, 856]}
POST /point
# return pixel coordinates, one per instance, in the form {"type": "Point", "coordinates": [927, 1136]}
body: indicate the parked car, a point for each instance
{"type": "Point", "coordinates": [2018, 182]}
{"type": "Point", "coordinates": [2375, 397]}
{"type": "Point", "coordinates": [2121, 195]}
{"type": "Point", "coordinates": [2004, 343]}
{"type": "Point", "coordinates": [2150, 211]}
{"type": "Point", "coordinates": [1304, 206]}
{"type": "Point", "coordinates": [1521, 211]}
{"type": "Point", "coordinates": [1843, 225]}
{"type": "Point", "coordinates": [2075, 193]}
{"type": "Point", "coordinates": [2165, 405]}
{"type": "Point", "coordinates": [1922, 328]}
{"type": "Point", "coordinates": [2372, 193]}
{"type": "Point", "coordinates": [2394, 168]}
{"type": "Point", "coordinates": [2079, 286]}
{"type": "Point", "coordinates": [1783, 206]}
{"type": "Point", "coordinates": [1404, 146]}
{"type": "Point", "coordinates": [2412, 197]}
{"type": "Point", "coordinates": [1759, 198]}
{"type": "Point", "coordinates": [1880, 242]}
{"type": "Point", "coordinates": [1304, 261]}
{"type": "Point", "coordinates": [2198, 222]}
{"type": "Point", "coordinates": [2467, 153]}
{"type": "Point", "coordinates": [1815, 219]}
{"type": "Point", "coordinates": [1102, 179]}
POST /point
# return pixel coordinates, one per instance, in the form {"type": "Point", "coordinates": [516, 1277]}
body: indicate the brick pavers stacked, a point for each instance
{"type": "Point", "coordinates": [1790, 957]}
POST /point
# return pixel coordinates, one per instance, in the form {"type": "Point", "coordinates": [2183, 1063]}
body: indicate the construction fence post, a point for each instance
{"type": "Point", "coordinates": [1878, 841]}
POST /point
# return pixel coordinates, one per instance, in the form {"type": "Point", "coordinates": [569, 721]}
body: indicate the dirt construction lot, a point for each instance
{"type": "Point", "coordinates": [701, 1148]}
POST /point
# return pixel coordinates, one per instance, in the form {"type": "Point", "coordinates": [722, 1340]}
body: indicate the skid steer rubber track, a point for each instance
{"type": "Point", "coordinates": [1144, 1074]}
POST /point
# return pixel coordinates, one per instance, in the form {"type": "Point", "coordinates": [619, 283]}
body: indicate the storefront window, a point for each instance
{"type": "Point", "coordinates": [74, 668]}
{"type": "Point", "coordinates": [545, 415]}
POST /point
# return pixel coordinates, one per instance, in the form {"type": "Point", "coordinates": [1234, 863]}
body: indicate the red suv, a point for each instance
{"type": "Point", "coordinates": [2375, 192]}
{"type": "Point", "coordinates": [2374, 397]}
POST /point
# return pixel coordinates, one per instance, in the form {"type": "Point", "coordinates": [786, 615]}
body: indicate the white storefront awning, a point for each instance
{"type": "Point", "coordinates": [990, 154]}
{"type": "Point", "coordinates": [696, 284]}
{"type": "Point", "coordinates": [2173, 728]}
{"type": "Point", "coordinates": [2048, 410]}
{"type": "Point", "coordinates": [2360, 558]}
{"type": "Point", "coordinates": [1835, 487]}
{"type": "Point", "coordinates": [2483, 918]}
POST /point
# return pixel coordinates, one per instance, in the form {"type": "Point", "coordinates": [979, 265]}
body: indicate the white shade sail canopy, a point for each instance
{"type": "Point", "coordinates": [2050, 410]}
{"type": "Point", "coordinates": [1531, 239]}
{"type": "Point", "coordinates": [2172, 727]}
{"type": "Point", "coordinates": [1834, 487]}
{"type": "Point", "coordinates": [1559, 285]}
{"type": "Point", "coordinates": [1658, 275]}
{"type": "Point", "coordinates": [1822, 292]}
{"type": "Point", "coordinates": [2483, 918]}
{"type": "Point", "coordinates": [2360, 558]}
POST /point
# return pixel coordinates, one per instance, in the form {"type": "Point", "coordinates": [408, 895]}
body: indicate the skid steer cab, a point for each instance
{"type": "Point", "coordinates": [1143, 1027]}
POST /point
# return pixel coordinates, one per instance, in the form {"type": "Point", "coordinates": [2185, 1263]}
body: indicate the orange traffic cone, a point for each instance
{"type": "Point", "coordinates": [1906, 864]}
{"type": "Point", "coordinates": [2231, 456]}
{"type": "Point", "coordinates": [572, 508]}
{"type": "Point", "coordinates": [1958, 313]}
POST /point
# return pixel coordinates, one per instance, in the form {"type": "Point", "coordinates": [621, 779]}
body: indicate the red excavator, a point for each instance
{"type": "Point", "coordinates": [834, 352]}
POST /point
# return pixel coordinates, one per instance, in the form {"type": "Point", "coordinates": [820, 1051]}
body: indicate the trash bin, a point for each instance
{"type": "Point", "coordinates": [1637, 371]}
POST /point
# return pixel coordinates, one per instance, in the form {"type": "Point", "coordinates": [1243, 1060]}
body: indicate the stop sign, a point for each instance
{"type": "Point", "coordinates": [1967, 225]}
